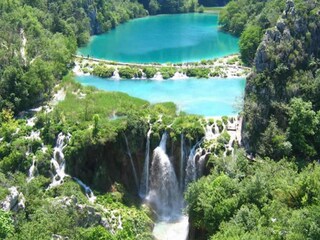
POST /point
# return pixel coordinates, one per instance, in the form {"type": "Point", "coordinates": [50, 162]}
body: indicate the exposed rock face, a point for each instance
{"type": "Point", "coordinates": [14, 201]}
{"type": "Point", "coordinates": [285, 48]}
{"type": "Point", "coordinates": [287, 37]}
{"type": "Point", "coordinates": [102, 165]}
{"type": "Point", "coordinates": [111, 220]}
{"type": "Point", "coordinates": [95, 26]}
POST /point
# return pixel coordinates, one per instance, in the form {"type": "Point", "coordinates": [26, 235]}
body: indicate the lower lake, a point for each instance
{"type": "Point", "coordinates": [207, 97]}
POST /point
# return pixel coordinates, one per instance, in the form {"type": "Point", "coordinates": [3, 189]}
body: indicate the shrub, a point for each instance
{"type": "Point", "coordinates": [102, 71]}
{"type": "Point", "coordinates": [149, 71]}
{"type": "Point", "coordinates": [129, 73]}
{"type": "Point", "coordinates": [168, 72]}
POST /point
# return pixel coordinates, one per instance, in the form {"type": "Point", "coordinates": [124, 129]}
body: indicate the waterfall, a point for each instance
{"type": "Point", "coordinates": [32, 170]}
{"type": "Point", "coordinates": [179, 75]}
{"type": "Point", "coordinates": [164, 194]}
{"type": "Point", "coordinates": [191, 169]}
{"type": "Point", "coordinates": [144, 184]}
{"type": "Point", "coordinates": [208, 132]}
{"type": "Point", "coordinates": [201, 165]}
{"type": "Point", "coordinates": [87, 189]}
{"type": "Point", "coordinates": [182, 163]}
{"type": "Point", "coordinates": [157, 76]}
{"type": "Point", "coordinates": [58, 160]}
{"type": "Point", "coordinates": [216, 129]}
{"type": "Point", "coordinates": [131, 161]}
{"type": "Point", "coordinates": [116, 75]}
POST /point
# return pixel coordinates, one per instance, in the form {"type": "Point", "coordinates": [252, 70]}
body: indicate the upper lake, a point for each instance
{"type": "Point", "coordinates": [163, 39]}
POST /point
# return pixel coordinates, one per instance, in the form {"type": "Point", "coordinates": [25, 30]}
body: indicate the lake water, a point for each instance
{"type": "Point", "coordinates": [207, 97]}
{"type": "Point", "coordinates": [163, 39]}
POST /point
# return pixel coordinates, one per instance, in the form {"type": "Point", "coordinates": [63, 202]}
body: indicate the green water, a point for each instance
{"type": "Point", "coordinates": [163, 39]}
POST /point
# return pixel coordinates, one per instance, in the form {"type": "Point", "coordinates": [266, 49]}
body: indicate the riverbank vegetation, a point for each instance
{"type": "Point", "coordinates": [230, 66]}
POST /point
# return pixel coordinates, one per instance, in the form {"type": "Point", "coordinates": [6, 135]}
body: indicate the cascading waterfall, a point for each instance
{"type": "Point", "coordinates": [116, 75]}
{"type": "Point", "coordinates": [92, 198]}
{"type": "Point", "coordinates": [191, 167]}
{"type": "Point", "coordinates": [144, 184]}
{"type": "Point", "coordinates": [201, 164]}
{"type": "Point", "coordinates": [32, 169]}
{"type": "Point", "coordinates": [208, 132]}
{"type": "Point", "coordinates": [58, 160]}
{"type": "Point", "coordinates": [191, 170]}
{"type": "Point", "coordinates": [131, 161]}
{"type": "Point", "coordinates": [216, 128]}
{"type": "Point", "coordinates": [164, 194]}
{"type": "Point", "coordinates": [182, 158]}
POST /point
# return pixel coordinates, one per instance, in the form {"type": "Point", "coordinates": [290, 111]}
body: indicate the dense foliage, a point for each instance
{"type": "Point", "coordinates": [248, 18]}
{"type": "Point", "coordinates": [213, 3]}
{"type": "Point", "coordinates": [38, 39]}
{"type": "Point", "coordinates": [282, 95]}
{"type": "Point", "coordinates": [65, 210]}
{"type": "Point", "coordinates": [170, 6]}
{"type": "Point", "coordinates": [239, 199]}
{"type": "Point", "coordinates": [94, 119]}
{"type": "Point", "coordinates": [261, 200]}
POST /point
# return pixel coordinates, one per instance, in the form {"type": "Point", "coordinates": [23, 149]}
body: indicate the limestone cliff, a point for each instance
{"type": "Point", "coordinates": [288, 53]}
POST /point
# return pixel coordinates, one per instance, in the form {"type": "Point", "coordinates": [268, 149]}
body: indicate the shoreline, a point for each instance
{"type": "Point", "coordinates": [224, 67]}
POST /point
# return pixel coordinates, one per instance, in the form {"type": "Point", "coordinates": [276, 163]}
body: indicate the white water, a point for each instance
{"type": "Point", "coordinates": [208, 132]}
{"type": "Point", "coordinates": [144, 184]}
{"type": "Point", "coordinates": [92, 198]}
{"type": "Point", "coordinates": [182, 163]}
{"type": "Point", "coordinates": [191, 173]}
{"type": "Point", "coordinates": [31, 121]}
{"type": "Point", "coordinates": [32, 170]}
{"type": "Point", "coordinates": [23, 46]}
{"type": "Point", "coordinates": [131, 161]}
{"type": "Point", "coordinates": [216, 128]}
{"type": "Point", "coordinates": [116, 75]}
{"type": "Point", "coordinates": [178, 76]}
{"type": "Point", "coordinates": [157, 76]}
{"type": "Point", "coordinates": [164, 195]}
{"type": "Point", "coordinates": [201, 165]}
{"type": "Point", "coordinates": [58, 160]}
{"type": "Point", "coordinates": [177, 230]}
{"type": "Point", "coordinates": [34, 135]}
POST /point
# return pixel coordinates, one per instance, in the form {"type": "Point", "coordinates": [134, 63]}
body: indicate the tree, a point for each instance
{"type": "Point", "coordinates": [274, 141]}
{"type": "Point", "coordinates": [303, 126]}
{"type": "Point", "coordinates": [6, 224]}
{"type": "Point", "coordinates": [154, 7]}
{"type": "Point", "coordinates": [249, 42]}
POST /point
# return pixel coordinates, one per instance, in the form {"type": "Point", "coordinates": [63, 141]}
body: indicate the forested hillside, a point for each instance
{"type": "Point", "coordinates": [281, 40]}
{"type": "Point", "coordinates": [38, 39]}
{"type": "Point", "coordinates": [213, 3]}
{"type": "Point", "coordinates": [170, 6]}
{"type": "Point", "coordinates": [269, 199]}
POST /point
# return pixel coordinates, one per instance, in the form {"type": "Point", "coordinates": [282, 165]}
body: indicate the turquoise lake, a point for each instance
{"type": "Point", "coordinates": [164, 38]}
{"type": "Point", "coordinates": [207, 97]}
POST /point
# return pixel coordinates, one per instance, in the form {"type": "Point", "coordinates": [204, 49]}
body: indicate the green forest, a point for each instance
{"type": "Point", "coordinates": [268, 189]}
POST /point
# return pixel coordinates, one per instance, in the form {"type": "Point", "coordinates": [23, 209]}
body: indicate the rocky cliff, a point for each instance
{"type": "Point", "coordinates": [289, 51]}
